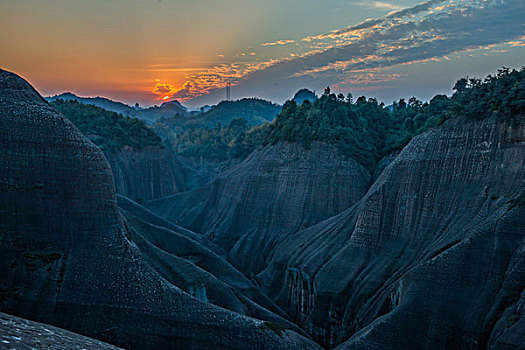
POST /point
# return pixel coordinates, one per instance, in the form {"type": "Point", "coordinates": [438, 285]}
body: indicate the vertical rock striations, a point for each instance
{"type": "Point", "coordinates": [69, 256]}
{"type": "Point", "coordinates": [432, 257]}
{"type": "Point", "coordinates": [152, 173]}
{"type": "Point", "coordinates": [277, 191]}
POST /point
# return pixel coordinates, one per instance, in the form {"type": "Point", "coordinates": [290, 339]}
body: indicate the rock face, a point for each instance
{"type": "Point", "coordinates": [191, 263]}
{"type": "Point", "coordinates": [432, 257]}
{"type": "Point", "coordinates": [275, 192]}
{"type": "Point", "coordinates": [21, 334]}
{"type": "Point", "coordinates": [69, 256]}
{"type": "Point", "coordinates": [152, 173]}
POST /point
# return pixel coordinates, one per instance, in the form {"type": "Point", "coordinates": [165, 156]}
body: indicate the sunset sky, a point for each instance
{"type": "Point", "coordinates": [146, 50]}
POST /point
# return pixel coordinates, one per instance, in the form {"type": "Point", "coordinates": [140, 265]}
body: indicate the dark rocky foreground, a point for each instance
{"type": "Point", "coordinates": [69, 256]}
{"type": "Point", "coordinates": [18, 333]}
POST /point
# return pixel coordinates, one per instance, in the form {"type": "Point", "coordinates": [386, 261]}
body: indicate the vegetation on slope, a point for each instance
{"type": "Point", "coordinates": [228, 130]}
{"type": "Point", "coordinates": [255, 111]}
{"type": "Point", "coordinates": [221, 143]}
{"type": "Point", "coordinates": [304, 94]}
{"type": "Point", "coordinates": [502, 93]}
{"type": "Point", "coordinates": [108, 130]}
{"type": "Point", "coordinates": [364, 130]}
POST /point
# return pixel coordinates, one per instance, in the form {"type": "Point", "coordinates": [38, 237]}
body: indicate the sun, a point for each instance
{"type": "Point", "coordinates": [165, 97]}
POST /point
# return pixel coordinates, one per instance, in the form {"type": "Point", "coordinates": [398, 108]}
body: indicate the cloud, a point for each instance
{"type": "Point", "coordinates": [217, 77]}
{"type": "Point", "coordinates": [163, 88]}
{"type": "Point", "coordinates": [279, 42]}
{"type": "Point", "coordinates": [380, 5]}
{"type": "Point", "coordinates": [385, 5]}
{"type": "Point", "coordinates": [428, 31]}
{"type": "Point", "coordinates": [520, 42]}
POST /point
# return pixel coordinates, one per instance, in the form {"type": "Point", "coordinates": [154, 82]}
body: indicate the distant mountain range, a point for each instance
{"type": "Point", "coordinates": [150, 114]}
{"type": "Point", "coordinates": [255, 111]}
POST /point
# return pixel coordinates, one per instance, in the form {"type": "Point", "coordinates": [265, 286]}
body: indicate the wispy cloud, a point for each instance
{"type": "Point", "coordinates": [364, 52]}
{"type": "Point", "coordinates": [279, 42]}
{"type": "Point", "coordinates": [520, 42]}
{"type": "Point", "coordinates": [163, 88]}
{"type": "Point", "coordinates": [217, 78]}
{"type": "Point", "coordinates": [380, 5]}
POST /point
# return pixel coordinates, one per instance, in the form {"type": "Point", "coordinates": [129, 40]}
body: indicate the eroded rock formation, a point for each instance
{"type": "Point", "coordinates": [277, 191]}
{"type": "Point", "coordinates": [427, 253]}
{"type": "Point", "coordinates": [433, 256]}
{"type": "Point", "coordinates": [152, 173]}
{"type": "Point", "coordinates": [69, 256]}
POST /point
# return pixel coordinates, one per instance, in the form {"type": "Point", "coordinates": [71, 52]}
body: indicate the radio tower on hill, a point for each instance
{"type": "Point", "coordinates": [228, 91]}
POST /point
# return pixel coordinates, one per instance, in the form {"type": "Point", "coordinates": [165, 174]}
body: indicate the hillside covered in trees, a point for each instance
{"type": "Point", "coordinates": [108, 130]}
{"type": "Point", "coordinates": [215, 144]}
{"type": "Point", "coordinates": [228, 130]}
{"type": "Point", "coordinates": [255, 111]}
{"type": "Point", "coordinates": [367, 130]}
{"type": "Point", "coordinates": [364, 129]}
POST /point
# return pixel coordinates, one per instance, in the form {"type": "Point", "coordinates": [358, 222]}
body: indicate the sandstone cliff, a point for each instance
{"type": "Point", "coordinates": [152, 173]}
{"type": "Point", "coordinates": [277, 191]}
{"type": "Point", "coordinates": [432, 257]}
{"type": "Point", "coordinates": [69, 256]}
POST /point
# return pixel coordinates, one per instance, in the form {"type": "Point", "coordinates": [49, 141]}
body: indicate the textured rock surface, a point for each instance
{"type": "Point", "coordinates": [152, 173]}
{"type": "Point", "coordinates": [191, 262]}
{"type": "Point", "coordinates": [432, 257]}
{"type": "Point", "coordinates": [275, 192]}
{"type": "Point", "coordinates": [68, 255]}
{"type": "Point", "coordinates": [21, 334]}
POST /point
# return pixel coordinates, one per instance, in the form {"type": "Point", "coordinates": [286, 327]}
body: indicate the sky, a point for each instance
{"type": "Point", "coordinates": [149, 51]}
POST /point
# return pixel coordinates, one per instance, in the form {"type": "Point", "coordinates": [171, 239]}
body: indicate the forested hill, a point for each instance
{"type": "Point", "coordinates": [255, 111]}
{"type": "Point", "coordinates": [108, 130]}
{"type": "Point", "coordinates": [101, 102]}
{"type": "Point", "coordinates": [221, 133]}
{"type": "Point", "coordinates": [367, 130]}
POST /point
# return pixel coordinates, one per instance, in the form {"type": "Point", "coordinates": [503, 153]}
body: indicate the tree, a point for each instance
{"type": "Point", "coordinates": [461, 85]}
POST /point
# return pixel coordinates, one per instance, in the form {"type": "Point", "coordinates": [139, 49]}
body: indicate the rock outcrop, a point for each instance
{"type": "Point", "coordinates": [69, 256]}
{"type": "Point", "coordinates": [152, 173]}
{"type": "Point", "coordinates": [277, 191]}
{"type": "Point", "coordinates": [432, 257]}
{"type": "Point", "coordinates": [21, 334]}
